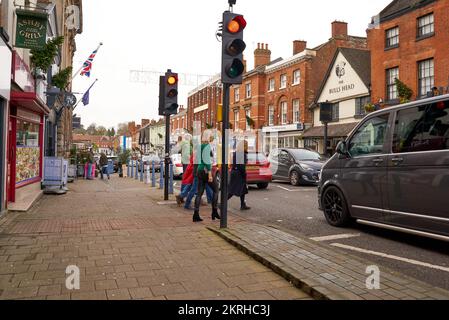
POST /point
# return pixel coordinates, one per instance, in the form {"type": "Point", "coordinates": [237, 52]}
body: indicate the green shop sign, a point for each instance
{"type": "Point", "coordinates": [31, 31]}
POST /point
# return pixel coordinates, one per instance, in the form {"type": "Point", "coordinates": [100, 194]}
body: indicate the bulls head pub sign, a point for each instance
{"type": "Point", "coordinates": [31, 31]}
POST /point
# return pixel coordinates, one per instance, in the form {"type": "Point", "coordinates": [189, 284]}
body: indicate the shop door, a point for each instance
{"type": "Point", "coordinates": [11, 155]}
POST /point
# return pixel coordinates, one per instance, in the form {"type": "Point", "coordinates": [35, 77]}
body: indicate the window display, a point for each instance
{"type": "Point", "coordinates": [28, 151]}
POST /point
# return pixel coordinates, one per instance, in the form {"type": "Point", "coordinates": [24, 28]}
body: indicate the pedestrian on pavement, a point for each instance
{"type": "Point", "coordinates": [104, 166]}
{"type": "Point", "coordinates": [238, 186]}
{"type": "Point", "coordinates": [203, 171]}
{"type": "Point", "coordinates": [187, 183]}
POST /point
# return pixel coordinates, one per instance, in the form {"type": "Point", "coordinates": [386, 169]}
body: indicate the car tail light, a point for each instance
{"type": "Point", "coordinates": [265, 164]}
{"type": "Point", "coordinates": [179, 165]}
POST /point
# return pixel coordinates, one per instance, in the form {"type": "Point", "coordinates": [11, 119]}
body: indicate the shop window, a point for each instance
{"type": "Point", "coordinates": [28, 151]}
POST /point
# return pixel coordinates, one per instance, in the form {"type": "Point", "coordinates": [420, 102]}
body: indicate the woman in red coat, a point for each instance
{"type": "Point", "coordinates": [187, 183]}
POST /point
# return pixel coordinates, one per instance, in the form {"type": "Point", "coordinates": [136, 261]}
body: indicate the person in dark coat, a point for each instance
{"type": "Point", "coordinates": [238, 186]}
{"type": "Point", "coordinates": [104, 166]}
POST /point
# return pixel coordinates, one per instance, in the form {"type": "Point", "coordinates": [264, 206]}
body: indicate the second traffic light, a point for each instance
{"type": "Point", "coordinates": [233, 66]}
{"type": "Point", "coordinates": [168, 104]}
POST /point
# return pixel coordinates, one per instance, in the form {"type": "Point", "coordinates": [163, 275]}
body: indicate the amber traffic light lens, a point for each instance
{"type": "Point", "coordinates": [233, 26]}
{"type": "Point", "coordinates": [172, 80]}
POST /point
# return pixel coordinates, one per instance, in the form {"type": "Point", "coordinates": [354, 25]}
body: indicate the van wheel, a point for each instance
{"type": "Point", "coordinates": [335, 207]}
{"type": "Point", "coordinates": [262, 186]}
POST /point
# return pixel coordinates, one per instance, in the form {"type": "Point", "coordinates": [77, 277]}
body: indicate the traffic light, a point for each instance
{"type": "Point", "coordinates": [233, 47]}
{"type": "Point", "coordinates": [168, 95]}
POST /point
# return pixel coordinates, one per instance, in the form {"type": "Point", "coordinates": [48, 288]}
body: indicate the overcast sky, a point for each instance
{"type": "Point", "coordinates": [180, 34]}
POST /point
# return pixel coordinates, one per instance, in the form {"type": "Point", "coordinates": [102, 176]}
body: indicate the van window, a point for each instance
{"type": "Point", "coordinates": [422, 128]}
{"type": "Point", "coordinates": [370, 138]}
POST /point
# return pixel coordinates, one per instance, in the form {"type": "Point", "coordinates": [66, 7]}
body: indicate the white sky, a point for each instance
{"type": "Point", "coordinates": [180, 34]}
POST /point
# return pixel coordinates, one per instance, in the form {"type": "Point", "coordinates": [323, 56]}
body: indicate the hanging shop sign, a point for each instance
{"type": "Point", "coordinates": [31, 31]}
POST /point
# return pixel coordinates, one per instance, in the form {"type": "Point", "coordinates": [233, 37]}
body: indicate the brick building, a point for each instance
{"type": "Point", "coordinates": [409, 42]}
{"type": "Point", "coordinates": [277, 95]}
{"type": "Point", "coordinates": [203, 104]}
{"type": "Point", "coordinates": [178, 123]}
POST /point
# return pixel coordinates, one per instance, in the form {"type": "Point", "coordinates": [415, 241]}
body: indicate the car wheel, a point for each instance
{"type": "Point", "coordinates": [294, 178]}
{"type": "Point", "coordinates": [262, 186]}
{"type": "Point", "coordinates": [335, 207]}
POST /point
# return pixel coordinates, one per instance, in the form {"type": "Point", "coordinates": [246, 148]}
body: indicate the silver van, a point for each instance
{"type": "Point", "coordinates": [393, 171]}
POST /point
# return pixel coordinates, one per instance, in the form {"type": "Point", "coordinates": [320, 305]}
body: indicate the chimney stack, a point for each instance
{"type": "Point", "coordinates": [339, 29]}
{"type": "Point", "coordinates": [299, 46]}
{"type": "Point", "coordinates": [262, 55]}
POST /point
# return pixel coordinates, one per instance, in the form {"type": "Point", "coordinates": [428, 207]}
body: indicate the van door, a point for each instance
{"type": "Point", "coordinates": [364, 173]}
{"type": "Point", "coordinates": [418, 169]}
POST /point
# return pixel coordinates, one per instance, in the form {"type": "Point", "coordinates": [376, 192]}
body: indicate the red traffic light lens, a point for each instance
{"type": "Point", "coordinates": [172, 80]}
{"type": "Point", "coordinates": [237, 24]}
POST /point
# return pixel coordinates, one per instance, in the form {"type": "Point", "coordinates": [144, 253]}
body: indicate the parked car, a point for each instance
{"type": "Point", "coordinates": [297, 166]}
{"type": "Point", "coordinates": [148, 161]}
{"type": "Point", "coordinates": [178, 169]}
{"type": "Point", "coordinates": [393, 171]}
{"type": "Point", "coordinates": [258, 171]}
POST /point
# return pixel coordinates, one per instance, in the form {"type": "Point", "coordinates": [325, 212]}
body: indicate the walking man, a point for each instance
{"type": "Point", "coordinates": [104, 166]}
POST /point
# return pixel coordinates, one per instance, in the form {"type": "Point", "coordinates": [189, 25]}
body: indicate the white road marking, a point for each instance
{"type": "Point", "coordinates": [297, 189]}
{"type": "Point", "coordinates": [280, 187]}
{"type": "Point", "coordinates": [388, 256]}
{"type": "Point", "coordinates": [336, 237]}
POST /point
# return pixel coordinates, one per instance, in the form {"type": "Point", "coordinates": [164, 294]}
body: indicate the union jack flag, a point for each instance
{"type": "Point", "coordinates": [87, 67]}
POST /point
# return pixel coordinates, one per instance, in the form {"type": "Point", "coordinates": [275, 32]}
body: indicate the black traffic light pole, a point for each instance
{"type": "Point", "coordinates": [167, 157]}
{"type": "Point", "coordinates": [224, 153]}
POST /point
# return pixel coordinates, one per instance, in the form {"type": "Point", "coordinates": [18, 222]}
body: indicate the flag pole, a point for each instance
{"type": "Point", "coordinates": [76, 105]}
{"type": "Point", "coordinates": [82, 66]}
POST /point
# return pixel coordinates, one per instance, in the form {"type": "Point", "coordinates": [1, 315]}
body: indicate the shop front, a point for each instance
{"type": "Point", "coordinates": [5, 91]}
{"type": "Point", "coordinates": [26, 139]}
{"type": "Point", "coordinates": [288, 136]}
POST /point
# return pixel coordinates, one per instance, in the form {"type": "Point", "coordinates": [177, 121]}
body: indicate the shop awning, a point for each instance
{"type": "Point", "coordinates": [30, 101]}
{"type": "Point", "coordinates": [334, 131]}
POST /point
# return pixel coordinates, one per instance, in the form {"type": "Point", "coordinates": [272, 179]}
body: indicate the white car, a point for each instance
{"type": "Point", "coordinates": [178, 169]}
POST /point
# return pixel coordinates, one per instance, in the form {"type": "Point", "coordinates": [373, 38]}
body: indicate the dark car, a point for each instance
{"type": "Point", "coordinates": [297, 166]}
{"type": "Point", "coordinates": [393, 171]}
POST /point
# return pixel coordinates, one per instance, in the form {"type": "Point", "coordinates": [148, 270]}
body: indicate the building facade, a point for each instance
{"type": "Point", "coordinates": [347, 87]}
{"type": "Point", "coordinates": [203, 104]}
{"type": "Point", "coordinates": [409, 43]}
{"type": "Point", "coordinates": [28, 108]}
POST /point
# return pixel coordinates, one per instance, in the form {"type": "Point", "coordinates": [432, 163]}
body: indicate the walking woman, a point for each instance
{"type": "Point", "coordinates": [238, 186]}
{"type": "Point", "coordinates": [203, 171]}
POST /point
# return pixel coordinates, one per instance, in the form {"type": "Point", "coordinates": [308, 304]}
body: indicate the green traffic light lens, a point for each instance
{"type": "Point", "coordinates": [236, 69]}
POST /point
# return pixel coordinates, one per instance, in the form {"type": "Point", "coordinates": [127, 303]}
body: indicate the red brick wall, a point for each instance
{"type": "Point", "coordinates": [211, 95]}
{"type": "Point", "coordinates": [410, 50]}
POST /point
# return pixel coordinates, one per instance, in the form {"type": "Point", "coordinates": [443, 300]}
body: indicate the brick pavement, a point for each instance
{"type": "Point", "coordinates": [321, 271]}
{"type": "Point", "coordinates": [127, 247]}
